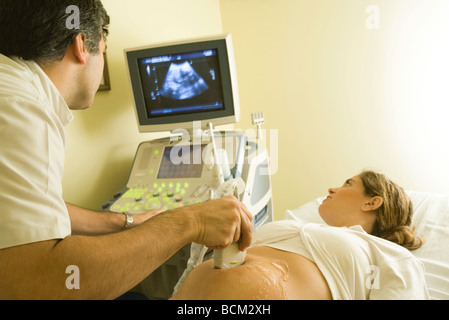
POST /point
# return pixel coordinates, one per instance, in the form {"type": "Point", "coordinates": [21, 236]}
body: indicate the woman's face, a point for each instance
{"type": "Point", "coordinates": [348, 205]}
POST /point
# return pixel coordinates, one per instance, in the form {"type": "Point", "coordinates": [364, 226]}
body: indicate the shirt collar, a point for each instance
{"type": "Point", "coordinates": [357, 228]}
{"type": "Point", "coordinates": [50, 92]}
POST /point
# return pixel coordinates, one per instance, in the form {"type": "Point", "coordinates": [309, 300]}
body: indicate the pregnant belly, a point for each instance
{"type": "Point", "coordinates": [267, 274]}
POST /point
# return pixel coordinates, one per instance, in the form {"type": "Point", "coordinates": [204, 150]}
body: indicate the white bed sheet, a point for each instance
{"type": "Point", "coordinates": [431, 217]}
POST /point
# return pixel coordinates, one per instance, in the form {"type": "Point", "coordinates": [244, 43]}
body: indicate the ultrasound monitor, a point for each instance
{"type": "Point", "coordinates": [179, 83]}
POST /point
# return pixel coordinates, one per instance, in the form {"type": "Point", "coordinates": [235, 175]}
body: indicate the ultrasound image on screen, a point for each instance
{"type": "Point", "coordinates": [181, 83]}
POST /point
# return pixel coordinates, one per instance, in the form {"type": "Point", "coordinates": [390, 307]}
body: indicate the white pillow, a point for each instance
{"type": "Point", "coordinates": [306, 213]}
{"type": "Point", "coordinates": [431, 217]}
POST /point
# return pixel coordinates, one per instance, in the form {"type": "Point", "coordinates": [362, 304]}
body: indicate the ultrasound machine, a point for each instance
{"type": "Point", "coordinates": [189, 88]}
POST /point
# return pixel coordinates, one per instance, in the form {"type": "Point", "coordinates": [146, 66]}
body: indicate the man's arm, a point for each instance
{"type": "Point", "coordinates": [89, 223]}
{"type": "Point", "coordinates": [112, 264]}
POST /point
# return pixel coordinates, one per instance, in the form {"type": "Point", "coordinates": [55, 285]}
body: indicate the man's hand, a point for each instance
{"type": "Point", "coordinates": [222, 222]}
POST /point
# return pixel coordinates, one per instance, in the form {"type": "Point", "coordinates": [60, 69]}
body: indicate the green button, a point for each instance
{"type": "Point", "coordinates": [166, 199]}
{"type": "Point", "coordinates": [152, 205]}
{"type": "Point", "coordinates": [135, 193]}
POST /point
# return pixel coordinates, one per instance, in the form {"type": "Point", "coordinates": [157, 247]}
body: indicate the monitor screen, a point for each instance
{"type": "Point", "coordinates": [186, 167]}
{"type": "Point", "coordinates": [177, 84]}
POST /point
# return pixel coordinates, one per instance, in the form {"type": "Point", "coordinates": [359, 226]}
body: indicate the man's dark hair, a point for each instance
{"type": "Point", "coordinates": [38, 30]}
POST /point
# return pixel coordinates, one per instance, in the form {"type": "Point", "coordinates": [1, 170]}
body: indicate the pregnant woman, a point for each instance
{"type": "Point", "coordinates": [361, 252]}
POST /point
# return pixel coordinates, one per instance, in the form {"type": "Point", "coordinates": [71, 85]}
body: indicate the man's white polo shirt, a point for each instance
{"type": "Point", "coordinates": [33, 115]}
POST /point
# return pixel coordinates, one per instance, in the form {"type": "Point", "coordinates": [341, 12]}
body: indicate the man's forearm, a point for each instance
{"type": "Point", "coordinates": [108, 265]}
{"type": "Point", "coordinates": [88, 222]}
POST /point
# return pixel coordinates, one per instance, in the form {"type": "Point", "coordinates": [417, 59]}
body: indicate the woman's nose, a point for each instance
{"type": "Point", "coordinates": [332, 190]}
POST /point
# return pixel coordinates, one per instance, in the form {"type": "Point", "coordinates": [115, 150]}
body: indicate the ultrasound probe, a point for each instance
{"type": "Point", "coordinates": [231, 256]}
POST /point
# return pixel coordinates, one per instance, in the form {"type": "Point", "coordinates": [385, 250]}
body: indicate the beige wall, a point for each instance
{"type": "Point", "coordinates": [342, 96]}
{"type": "Point", "coordinates": [102, 141]}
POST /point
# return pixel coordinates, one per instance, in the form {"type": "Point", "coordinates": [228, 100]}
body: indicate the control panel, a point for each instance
{"type": "Point", "coordinates": [171, 173]}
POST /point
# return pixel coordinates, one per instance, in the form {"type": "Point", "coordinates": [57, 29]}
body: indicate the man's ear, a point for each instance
{"type": "Point", "coordinates": [79, 48]}
{"type": "Point", "coordinates": [373, 204]}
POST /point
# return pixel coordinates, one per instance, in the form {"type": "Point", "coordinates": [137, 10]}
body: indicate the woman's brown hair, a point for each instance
{"type": "Point", "coordinates": [394, 216]}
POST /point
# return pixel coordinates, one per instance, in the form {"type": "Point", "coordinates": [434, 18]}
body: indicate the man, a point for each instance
{"type": "Point", "coordinates": [47, 68]}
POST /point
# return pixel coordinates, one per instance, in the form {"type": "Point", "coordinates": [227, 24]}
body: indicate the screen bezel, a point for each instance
{"type": "Point", "coordinates": [231, 109]}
